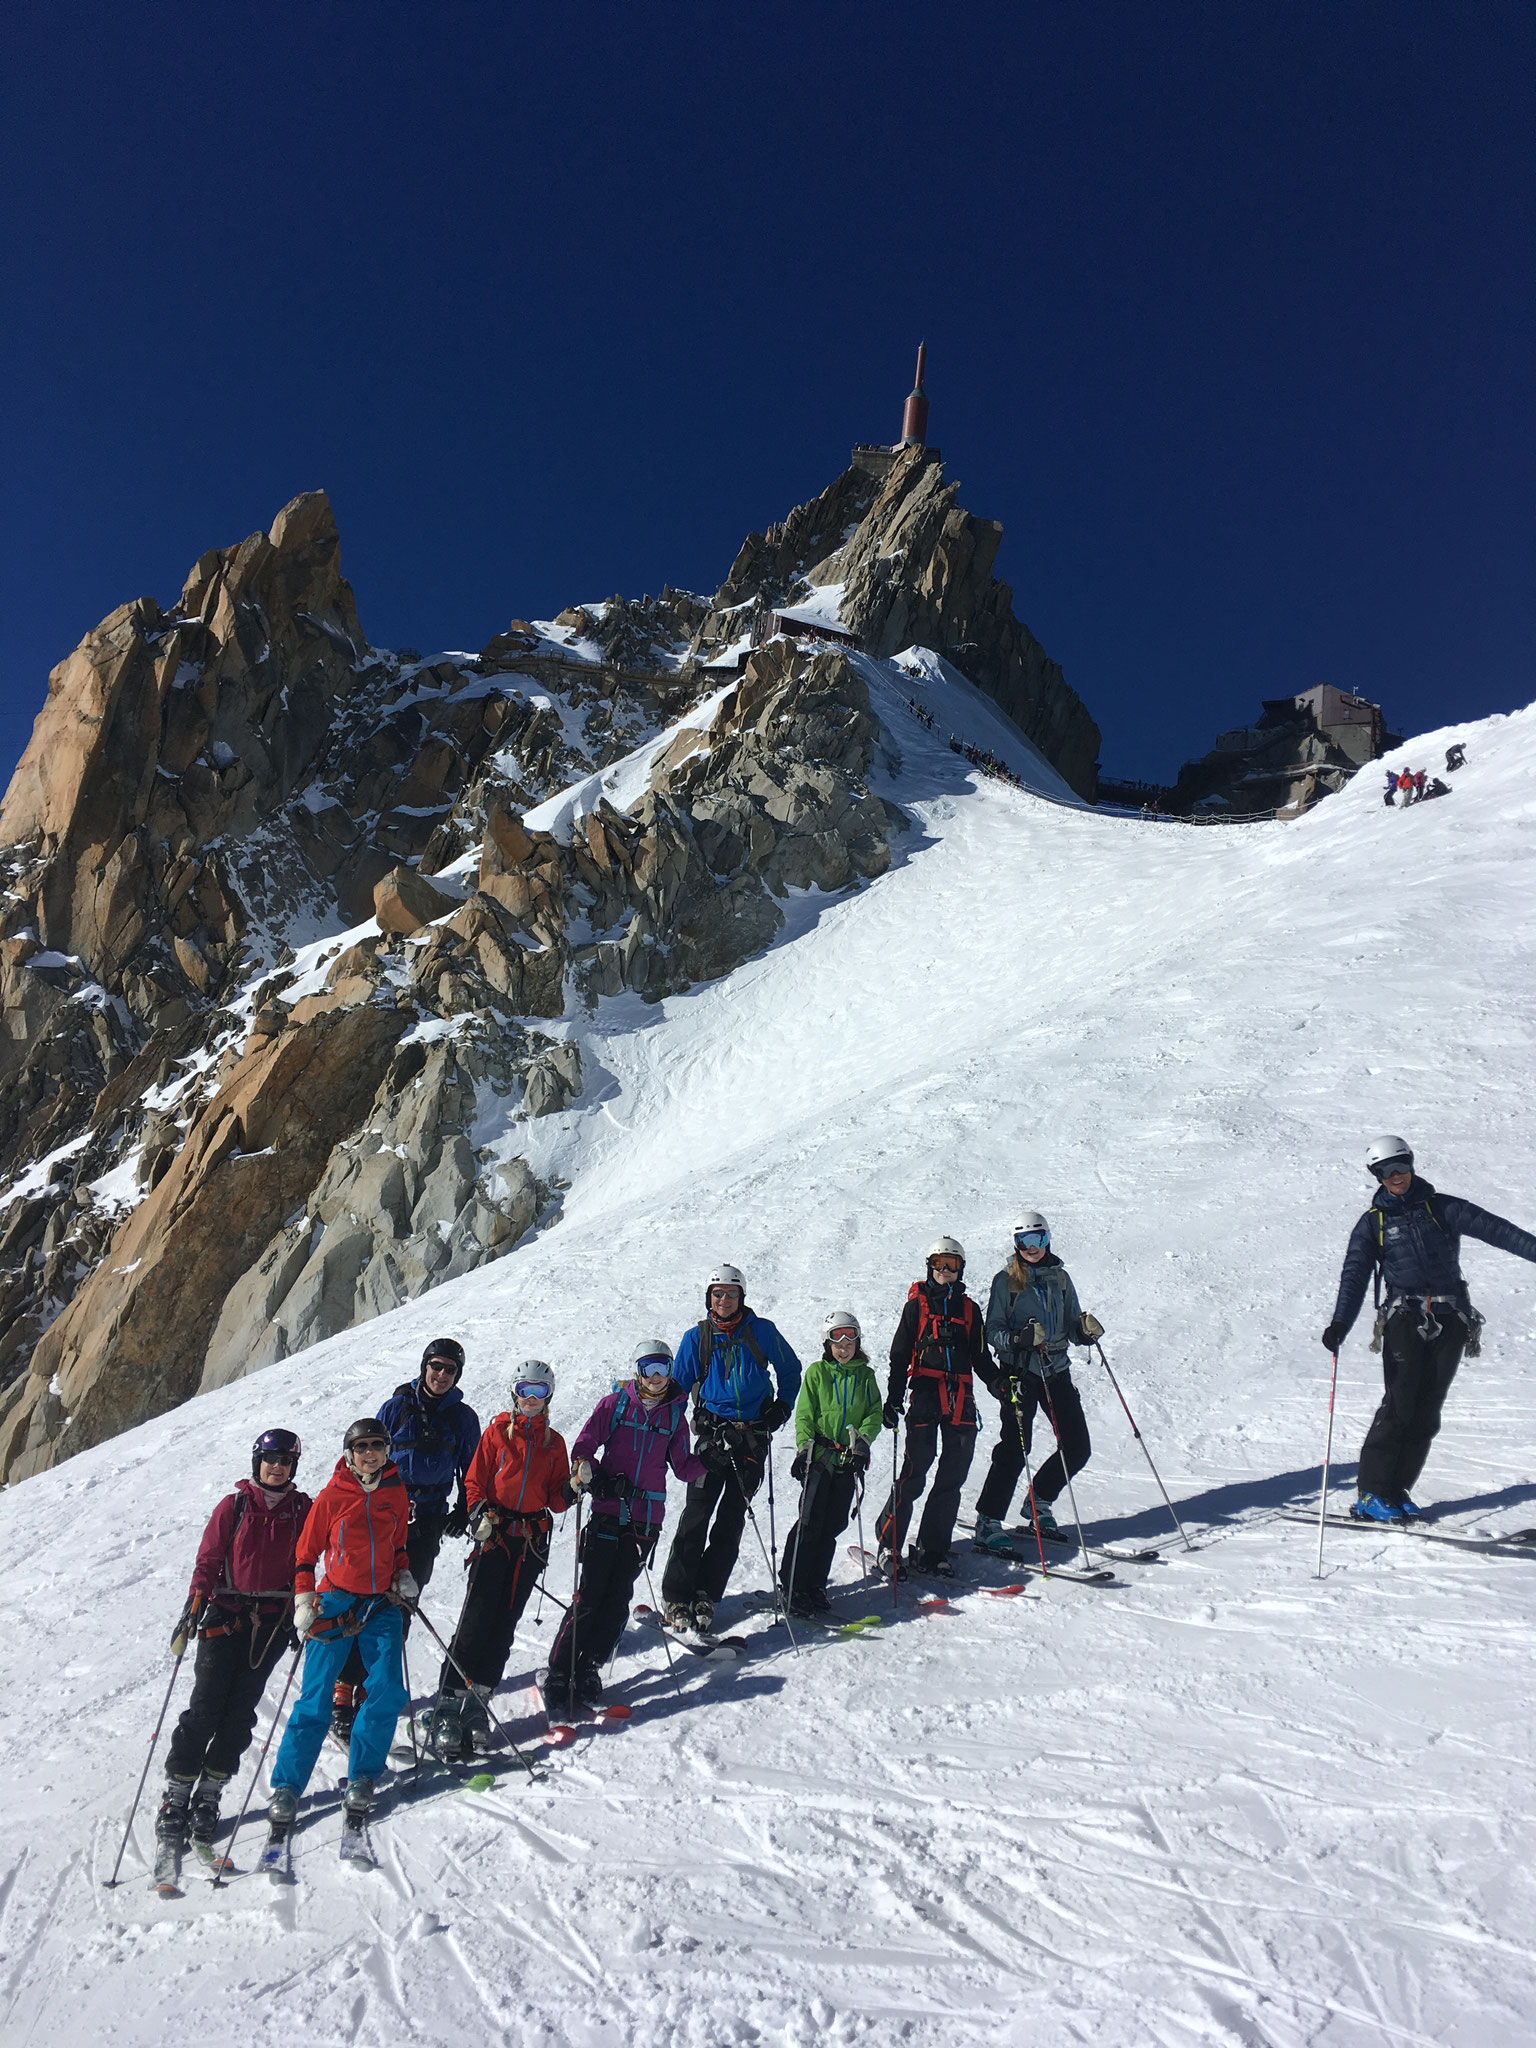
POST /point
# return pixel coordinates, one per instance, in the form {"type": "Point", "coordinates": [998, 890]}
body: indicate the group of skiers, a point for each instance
{"type": "Point", "coordinates": [423, 1468]}
{"type": "Point", "coordinates": [1415, 785]}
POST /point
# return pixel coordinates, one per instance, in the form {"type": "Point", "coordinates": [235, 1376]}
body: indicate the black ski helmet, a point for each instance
{"type": "Point", "coordinates": [276, 1444]}
{"type": "Point", "coordinates": [366, 1430]}
{"type": "Point", "coordinates": [445, 1351]}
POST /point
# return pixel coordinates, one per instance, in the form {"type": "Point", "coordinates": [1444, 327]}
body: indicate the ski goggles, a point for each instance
{"type": "Point", "coordinates": [1386, 1167]}
{"type": "Point", "coordinates": [652, 1368]}
{"type": "Point", "coordinates": [1032, 1240]}
{"type": "Point", "coordinates": [533, 1390]}
{"type": "Point", "coordinates": [843, 1335]}
{"type": "Point", "coordinates": [945, 1265]}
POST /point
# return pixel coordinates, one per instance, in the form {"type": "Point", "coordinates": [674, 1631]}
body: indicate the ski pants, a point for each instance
{"type": "Point", "coordinates": [1063, 1407]}
{"type": "Point", "coordinates": [612, 1555]}
{"type": "Point", "coordinates": [501, 1578]}
{"type": "Point", "coordinates": [1418, 1372]}
{"type": "Point", "coordinates": [702, 1558]}
{"type": "Point", "coordinates": [943, 1502]}
{"type": "Point", "coordinates": [826, 1502]}
{"type": "Point", "coordinates": [381, 1641]}
{"type": "Point", "coordinates": [229, 1679]}
{"type": "Point", "coordinates": [423, 1540]}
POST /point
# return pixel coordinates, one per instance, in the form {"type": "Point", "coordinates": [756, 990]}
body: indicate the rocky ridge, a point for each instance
{"type": "Point", "coordinates": [228, 1135]}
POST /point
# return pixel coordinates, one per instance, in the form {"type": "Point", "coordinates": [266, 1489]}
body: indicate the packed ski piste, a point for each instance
{"type": "Point", "coordinates": [920, 1577]}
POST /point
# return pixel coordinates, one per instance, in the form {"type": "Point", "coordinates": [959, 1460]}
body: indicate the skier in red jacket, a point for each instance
{"type": "Point", "coordinates": [240, 1604]}
{"type": "Point", "coordinates": [358, 1524]}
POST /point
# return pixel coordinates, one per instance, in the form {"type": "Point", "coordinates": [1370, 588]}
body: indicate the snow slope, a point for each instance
{"type": "Point", "coordinates": [1221, 1802]}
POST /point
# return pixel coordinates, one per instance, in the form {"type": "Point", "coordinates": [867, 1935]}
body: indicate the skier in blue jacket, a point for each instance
{"type": "Point", "coordinates": [433, 1435]}
{"type": "Point", "coordinates": [745, 1379]}
{"type": "Point", "coordinates": [1411, 1238]}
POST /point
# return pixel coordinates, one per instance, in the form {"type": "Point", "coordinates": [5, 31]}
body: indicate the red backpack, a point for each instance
{"type": "Point", "coordinates": [932, 1334]}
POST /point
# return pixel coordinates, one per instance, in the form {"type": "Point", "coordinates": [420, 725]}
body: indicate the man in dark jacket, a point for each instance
{"type": "Point", "coordinates": [1410, 1237]}
{"type": "Point", "coordinates": [433, 1435]}
{"type": "Point", "coordinates": [939, 1351]}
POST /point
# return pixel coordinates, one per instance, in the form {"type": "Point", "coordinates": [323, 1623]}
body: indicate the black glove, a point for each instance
{"type": "Point", "coordinates": [186, 1628]}
{"type": "Point", "coordinates": [800, 1464]}
{"type": "Point", "coordinates": [457, 1523]}
{"type": "Point", "coordinates": [774, 1416]}
{"type": "Point", "coordinates": [891, 1413]}
{"type": "Point", "coordinates": [611, 1485]}
{"type": "Point", "coordinates": [858, 1450]}
{"type": "Point", "coordinates": [992, 1381]}
{"type": "Point", "coordinates": [1333, 1336]}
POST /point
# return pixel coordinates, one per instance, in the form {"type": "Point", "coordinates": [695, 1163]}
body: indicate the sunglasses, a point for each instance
{"type": "Point", "coordinates": [532, 1390]}
{"type": "Point", "coordinates": [444, 1365]}
{"type": "Point", "coordinates": [372, 1443]}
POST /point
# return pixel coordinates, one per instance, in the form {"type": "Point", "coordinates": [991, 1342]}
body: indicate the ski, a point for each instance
{"type": "Point", "coordinates": [1066, 1539]}
{"type": "Point", "coordinates": [1520, 1543]}
{"type": "Point", "coordinates": [716, 1649]}
{"type": "Point", "coordinates": [908, 1569]}
{"type": "Point", "coordinates": [846, 1631]}
{"type": "Point", "coordinates": [167, 1877]}
{"type": "Point", "coordinates": [1008, 1592]}
{"type": "Point", "coordinates": [276, 1858]}
{"type": "Point", "coordinates": [356, 1845]}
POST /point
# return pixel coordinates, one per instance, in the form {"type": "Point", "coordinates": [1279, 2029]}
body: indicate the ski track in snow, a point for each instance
{"type": "Point", "coordinates": [1220, 1802]}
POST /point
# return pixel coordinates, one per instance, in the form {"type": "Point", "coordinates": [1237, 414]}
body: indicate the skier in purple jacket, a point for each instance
{"type": "Point", "coordinates": [627, 1445]}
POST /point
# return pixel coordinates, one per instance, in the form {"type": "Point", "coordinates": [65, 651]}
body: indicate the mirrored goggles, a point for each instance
{"type": "Point", "coordinates": [1032, 1240]}
{"type": "Point", "coordinates": [532, 1390]}
{"type": "Point", "coordinates": [842, 1336]}
{"type": "Point", "coordinates": [652, 1368]}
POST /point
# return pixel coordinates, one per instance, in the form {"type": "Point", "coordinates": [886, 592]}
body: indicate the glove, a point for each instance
{"type": "Point", "coordinates": [182, 1634]}
{"type": "Point", "coordinates": [992, 1381]}
{"type": "Point", "coordinates": [405, 1589]}
{"type": "Point", "coordinates": [484, 1526]}
{"type": "Point", "coordinates": [1333, 1336]}
{"type": "Point", "coordinates": [858, 1450]}
{"type": "Point", "coordinates": [775, 1415]}
{"type": "Point", "coordinates": [581, 1478]}
{"type": "Point", "coordinates": [1034, 1336]}
{"type": "Point", "coordinates": [611, 1485]}
{"type": "Point", "coordinates": [800, 1464]}
{"type": "Point", "coordinates": [1090, 1326]}
{"type": "Point", "coordinates": [303, 1614]}
{"type": "Point", "coordinates": [457, 1523]}
{"type": "Point", "coordinates": [891, 1413]}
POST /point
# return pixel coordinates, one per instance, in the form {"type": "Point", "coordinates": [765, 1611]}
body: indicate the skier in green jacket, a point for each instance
{"type": "Point", "coordinates": [837, 1418]}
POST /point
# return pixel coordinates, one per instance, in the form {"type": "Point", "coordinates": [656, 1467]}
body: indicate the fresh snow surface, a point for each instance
{"type": "Point", "coordinates": [1219, 1803]}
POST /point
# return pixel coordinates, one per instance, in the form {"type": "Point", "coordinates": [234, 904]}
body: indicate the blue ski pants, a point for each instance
{"type": "Point", "coordinates": [380, 1639]}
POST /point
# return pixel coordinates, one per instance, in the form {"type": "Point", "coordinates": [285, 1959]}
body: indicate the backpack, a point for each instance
{"type": "Point", "coordinates": [954, 1387]}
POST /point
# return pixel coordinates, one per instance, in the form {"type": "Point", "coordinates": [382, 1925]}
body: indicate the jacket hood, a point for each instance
{"type": "Point", "coordinates": [511, 1424]}
{"type": "Point", "coordinates": [268, 1500]}
{"type": "Point", "coordinates": [670, 1392]}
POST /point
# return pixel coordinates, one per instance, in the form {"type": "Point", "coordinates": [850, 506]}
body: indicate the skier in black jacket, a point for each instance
{"type": "Point", "coordinates": [939, 1351]}
{"type": "Point", "coordinates": [1411, 1237]}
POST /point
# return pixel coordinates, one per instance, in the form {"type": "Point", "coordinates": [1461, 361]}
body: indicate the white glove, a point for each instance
{"type": "Point", "coordinates": [406, 1588]}
{"type": "Point", "coordinates": [581, 1478]}
{"type": "Point", "coordinates": [483, 1527]}
{"type": "Point", "coordinates": [303, 1613]}
{"type": "Point", "coordinates": [1091, 1327]}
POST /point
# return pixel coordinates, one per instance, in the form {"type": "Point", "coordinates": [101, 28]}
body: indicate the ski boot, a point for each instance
{"type": "Point", "coordinates": [889, 1567]}
{"type": "Point", "coordinates": [1045, 1523]}
{"type": "Point", "coordinates": [173, 1821]}
{"type": "Point", "coordinates": [931, 1564]}
{"type": "Point", "coordinates": [357, 1800]}
{"type": "Point", "coordinates": [589, 1682]}
{"type": "Point", "coordinates": [477, 1721]}
{"type": "Point", "coordinates": [555, 1692]}
{"type": "Point", "coordinates": [1410, 1510]}
{"type": "Point", "coordinates": [356, 1808]}
{"type": "Point", "coordinates": [1370, 1507]}
{"type": "Point", "coordinates": [991, 1535]}
{"type": "Point", "coordinates": [703, 1614]}
{"type": "Point", "coordinates": [445, 1733]}
{"type": "Point", "coordinates": [205, 1806]}
{"type": "Point", "coordinates": [345, 1701]}
{"type": "Point", "coordinates": [679, 1616]}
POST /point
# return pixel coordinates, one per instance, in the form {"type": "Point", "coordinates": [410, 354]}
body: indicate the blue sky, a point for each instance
{"type": "Point", "coordinates": [1228, 310]}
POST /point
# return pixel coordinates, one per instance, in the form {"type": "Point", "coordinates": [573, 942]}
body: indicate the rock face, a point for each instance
{"type": "Point", "coordinates": [213, 1152]}
{"type": "Point", "coordinates": [914, 568]}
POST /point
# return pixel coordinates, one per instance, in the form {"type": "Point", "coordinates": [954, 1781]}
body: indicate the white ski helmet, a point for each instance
{"type": "Point", "coordinates": [1388, 1155]}
{"type": "Point", "coordinates": [726, 1276]}
{"type": "Point", "coordinates": [945, 1248]}
{"type": "Point", "coordinates": [652, 1351]}
{"type": "Point", "coordinates": [534, 1372]}
{"type": "Point", "coordinates": [1031, 1219]}
{"type": "Point", "coordinates": [842, 1319]}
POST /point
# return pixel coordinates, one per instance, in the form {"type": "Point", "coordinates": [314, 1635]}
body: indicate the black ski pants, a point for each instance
{"type": "Point", "coordinates": [229, 1678]}
{"type": "Point", "coordinates": [1063, 1408]}
{"type": "Point", "coordinates": [611, 1560]}
{"type": "Point", "coordinates": [423, 1540]}
{"type": "Point", "coordinates": [1418, 1371]}
{"type": "Point", "coordinates": [702, 1557]}
{"type": "Point", "coordinates": [826, 1502]}
{"type": "Point", "coordinates": [501, 1578]}
{"type": "Point", "coordinates": [943, 1503]}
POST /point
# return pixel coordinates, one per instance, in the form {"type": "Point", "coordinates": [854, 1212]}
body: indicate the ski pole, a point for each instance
{"type": "Point", "coordinates": [891, 1536]}
{"type": "Point", "coordinates": [581, 1501]}
{"type": "Point", "coordinates": [1061, 1452]}
{"type": "Point", "coordinates": [219, 1879]}
{"type": "Point", "coordinates": [792, 1555]}
{"type": "Point", "coordinates": [1029, 1477]}
{"type": "Point", "coordinates": [1135, 1432]}
{"type": "Point", "coordinates": [660, 1615]}
{"type": "Point", "coordinates": [1322, 1508]}
{"type": "Point", "coordinates": [773, 1540]}
{"type": "Point", "coordinates": [858, 1498]}
{"type": "Point", "coordinates": [778, 1605]}
{"type": "Point", "coordinates": [149, 1757]}
{"type": "Point", "coordinates": [410, 1717]}
{"type": "Point", "coordinates": [469, 1684]}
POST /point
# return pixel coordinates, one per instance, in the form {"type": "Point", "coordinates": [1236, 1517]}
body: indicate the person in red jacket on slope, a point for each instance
{"type": "Point", "coordinates": [240, 1604]}
{"type": "Point", "coordinates": [358, 1524]}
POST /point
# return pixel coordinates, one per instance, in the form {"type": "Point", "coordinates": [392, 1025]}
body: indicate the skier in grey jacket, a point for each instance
{"type": "Point", "coordinates": [1033, 1314]}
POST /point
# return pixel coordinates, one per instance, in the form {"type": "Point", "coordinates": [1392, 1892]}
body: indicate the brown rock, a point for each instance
{"type": "Point", "coordinates": [404, 901]}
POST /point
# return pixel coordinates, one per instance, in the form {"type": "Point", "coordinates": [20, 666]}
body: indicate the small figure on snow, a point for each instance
{"type": "Point", "coordinates": [1455, 757]}
{"type": "Point", "coordinates": [1437, 788]}
{"type": "Point", "coordinates": [628, 1444]}
{"type": "Point", "coordinates": [1418, 785]}
{"type": "Point", "coordinates": [1405, 786]}
{"type": "Point", "coordinates": [517, 1482]}
{"type": "Point", "coordinates": [1410, 1238]}
{"type": "Point", "coordinates": [939, 1349]}
{"type": "Point", "coordinates": [1033, 1314]}
{"type": "Point", "coordinates": [358, 1524]}
{"type": "Point", "coordinates": [240, 1604]}
{"type": "Point", "coordinates": [1391, 789]}
{"type": "Point", "coordinates": [837, 1418]}
{"type": "Point", "coordinates": [433, 1434]}
{"type": "Point", "coordinates": [745, 1378]}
